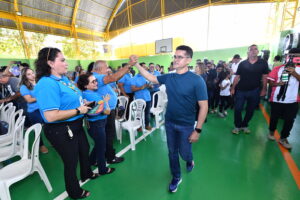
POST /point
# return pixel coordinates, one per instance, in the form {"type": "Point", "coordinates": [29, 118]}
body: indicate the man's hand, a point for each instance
{"type": "Point", "coordinates": [232, 91]}
{"type": "Point", "coordinates": [133, 59]}
{"type": "Point", "coordinates": [194, 137]}
{"type": "Point", "coordinates": [263, 93]}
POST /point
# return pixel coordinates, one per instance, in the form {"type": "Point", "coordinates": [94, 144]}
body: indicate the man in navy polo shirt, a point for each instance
{"type": "Point", "coordinates": [184, 89]}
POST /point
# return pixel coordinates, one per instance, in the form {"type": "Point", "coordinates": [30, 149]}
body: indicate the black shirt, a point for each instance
{"type": "Point", "coordinates": [251, 74]}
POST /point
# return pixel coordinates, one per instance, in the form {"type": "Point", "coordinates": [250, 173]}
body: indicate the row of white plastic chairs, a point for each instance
{"type": "Point", "coordinates": [137, 115]}
{"type": "Point", "coordinates": [14, 144]}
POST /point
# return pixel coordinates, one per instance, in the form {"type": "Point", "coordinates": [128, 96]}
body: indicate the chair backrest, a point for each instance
{"type": "Point", "coordinates": [13, 119]}
{"type": "Point", "coordinates": [160, 100]}
{"type": "Point", "coordinates": [34, 153]}
{"type": "Point", "coordinates": [1, 105]}
{"type": "Point", "coordinates": [19, 126]}
{"type": "Point", "coordinates": [137, 110]}
{"type": "Point", "coordinates": [123, 101]}
{"type": "Point", "coordinates": [4, 110]}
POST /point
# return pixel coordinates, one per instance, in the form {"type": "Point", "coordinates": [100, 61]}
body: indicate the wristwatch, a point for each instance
{"type": "Point", "coordinates": [199, 130]}
{"type": "Point", "coordinates": [77, 111]}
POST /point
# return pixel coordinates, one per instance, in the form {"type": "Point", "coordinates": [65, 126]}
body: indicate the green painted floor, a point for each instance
{"type": "Point", "coordinates": [228, 167]}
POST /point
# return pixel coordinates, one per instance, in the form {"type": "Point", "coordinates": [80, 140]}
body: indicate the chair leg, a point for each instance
{"type": "Point", "coordinates": [43, 175]}
{"type": "Point", "coordinates": [119, 131]}
{"type": "Point", "coordinates": [4, 191]}
{"type": "Point", "coordinates": [132, 139]}
{"type": "Point", "coordinates": [157, 120]}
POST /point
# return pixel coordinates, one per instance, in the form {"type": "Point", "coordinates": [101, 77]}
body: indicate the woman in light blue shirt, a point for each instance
{"type": "Point", "coordinates": [60, 103]}
{"type": "Point", "coordinates": [27, 86]}
{"type": "Point", "coordinates": [97, 120]}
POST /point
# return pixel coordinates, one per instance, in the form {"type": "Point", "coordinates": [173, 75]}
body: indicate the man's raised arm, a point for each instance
{"type": "Point", "coordinates": [144, 73]}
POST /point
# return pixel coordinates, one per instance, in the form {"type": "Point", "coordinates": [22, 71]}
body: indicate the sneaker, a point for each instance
{"type": "Point", "coordinates": [246, 130]}
{"type": "Point", "coordinates": [43, 149]}
{"type": "Point", "coordinates": [190, 166]}
{"type": "Point", "coordinates": [225, 113]}
{"type": "Point", "coordinates": [212, 112]}
{"type": "Point", "coordinates": [140, 129]}
{"type": "Point", "coordinates": [174, 184]}
{"type": "Point", "coordinates": [221, 115]}
{"type": "Point", "coordinates": [116, 160]}
{"type": "Point", "coordinates": [271, 136]}
{"type": "Point", "coordinates": [236, 131]}
{"type": "Point", "coordinates": [148, 128]}
{"type": "Point", "coordinates": [285, 143]}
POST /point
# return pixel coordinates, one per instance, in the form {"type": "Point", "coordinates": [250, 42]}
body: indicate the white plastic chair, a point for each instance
{"type": "Point", "coordinates": [8, 138]}
{"type": "Point", "coordinates": [6, 111]}
{"type": "Point", "coordinates": [16, 147]}
{"type": "Point", "coordinates": [135, 121]}
{"type": "Point", "coordinates": [158, 110]}
{"type": "Point", "coordinates": [29, 163]}
{"type": "Point", "coordinates": [122, 101]}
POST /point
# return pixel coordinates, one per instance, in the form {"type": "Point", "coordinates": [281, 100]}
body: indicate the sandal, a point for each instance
{"type": "Point", "coordinates": [109, 171]}
{"type": "Point", "coordinates": [84, 194]}
{"type": "Point", "coordinates": [94, 176]}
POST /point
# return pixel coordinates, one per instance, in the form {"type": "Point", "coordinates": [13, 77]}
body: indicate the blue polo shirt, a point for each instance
{"type": "Point", "coordinates": [144, 94]}
{"type": "Point", "coordinates": [30, 106]}
{"type": "Point", "coordinates": [54, 93]}
{"type": "Point", "coordinates": [155, 86]}
{"type": "Point", "coordinates": [183, 90]}
{"type": "Point", "coordinates": [126, 80]}
{"type": "Point", "coordinates": [90, 95]}
{"type": "Point", "coordinates": [104, 89]}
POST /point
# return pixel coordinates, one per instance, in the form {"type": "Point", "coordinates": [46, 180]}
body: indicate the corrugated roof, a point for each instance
{"type": "Point", "coordinates": [94, 17]}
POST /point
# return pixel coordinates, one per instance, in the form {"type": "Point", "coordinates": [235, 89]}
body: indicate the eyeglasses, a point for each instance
{"type": "Point", "coordinates": [94, 81]}
{"type": "Point", "coordinates": [179, 57]}
{"type": "Point", "coordinates": [49, 49]}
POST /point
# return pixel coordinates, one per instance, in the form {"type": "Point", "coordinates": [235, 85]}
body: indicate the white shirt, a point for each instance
{"type": "Point", "coordinates": [234, 68]}
{"type": "Point", "coordinates": [226, 91]}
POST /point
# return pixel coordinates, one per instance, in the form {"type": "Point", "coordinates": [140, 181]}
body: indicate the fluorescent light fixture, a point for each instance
{"type": "Point", "coordinates": [19, 13]}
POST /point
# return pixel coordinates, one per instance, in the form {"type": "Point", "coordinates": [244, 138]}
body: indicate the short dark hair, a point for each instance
{"type": "Point", "coordinates": [124, 64]}
{"type": "Point", "coordinates": [277, 58]}
{"type": "Point", "coordinates": [253, 45]}
{"type": "Point", "coordinates": [151, 63]}
{"type": "Point", "coordinates": [90, 67]}
{"type": "Point", "coordinates": [187, 49]}
{"type": "Point", "coordinates": [83, 81]}
{"type": "Point", "coordinates": [142, 63]}
{"type": "Point", "coordinates": [2, 68]}
{"type": "Point", "coordinates": [236, 56]}
{"type": "Point", "coordinates": [25, 65]}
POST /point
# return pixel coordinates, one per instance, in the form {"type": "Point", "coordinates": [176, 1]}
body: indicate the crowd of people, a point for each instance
{"type": "Point", "coordinates": [60, 102]}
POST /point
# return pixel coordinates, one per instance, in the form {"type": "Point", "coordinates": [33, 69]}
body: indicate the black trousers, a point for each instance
{"type": "Point", "coordinates": [110, 129]}
{"type": "Point", "coordinates": [225, 103]}
{"type": "Point", "coordinates": [131, 96]}
{"type": "Point", "coordinates": [70, 150]}
{"type": "Point", "coordinates": [286, 111]}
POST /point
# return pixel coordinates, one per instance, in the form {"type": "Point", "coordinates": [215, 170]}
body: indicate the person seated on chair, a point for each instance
{"type": "Point", "coordinates": [27, 91]}
{"type": "Point", "coordinates": [96, 120]}
{"type": "Point", "coordinates": [140, 88]}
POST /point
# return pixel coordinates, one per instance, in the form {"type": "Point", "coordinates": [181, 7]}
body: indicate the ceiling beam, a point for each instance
{"type": "Point", "coordinates": [21, 30]}
{"type": "Point", "coordinates": [50, 24]}
{"type": "Point", "coordinates": [74, 27]}
{"type": "Point", "coordinates": [113, 14]}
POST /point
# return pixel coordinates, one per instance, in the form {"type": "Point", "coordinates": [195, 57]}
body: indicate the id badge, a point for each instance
{"type": "Point", "coordinates": [81, 101]}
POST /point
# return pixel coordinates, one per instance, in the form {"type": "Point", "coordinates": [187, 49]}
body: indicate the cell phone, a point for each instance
{"type": "Point", "coordinates": [91, 104]}
{"type": "Point", "coordinates": [15, 70]}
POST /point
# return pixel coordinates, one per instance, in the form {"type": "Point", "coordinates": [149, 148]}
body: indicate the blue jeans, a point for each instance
{"type": "Point", "coordinates": [97, 132]}
{"type": "Point", "coordinates": [241, 97]}
{"type": "Point", "coordinates": [178, 143]}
